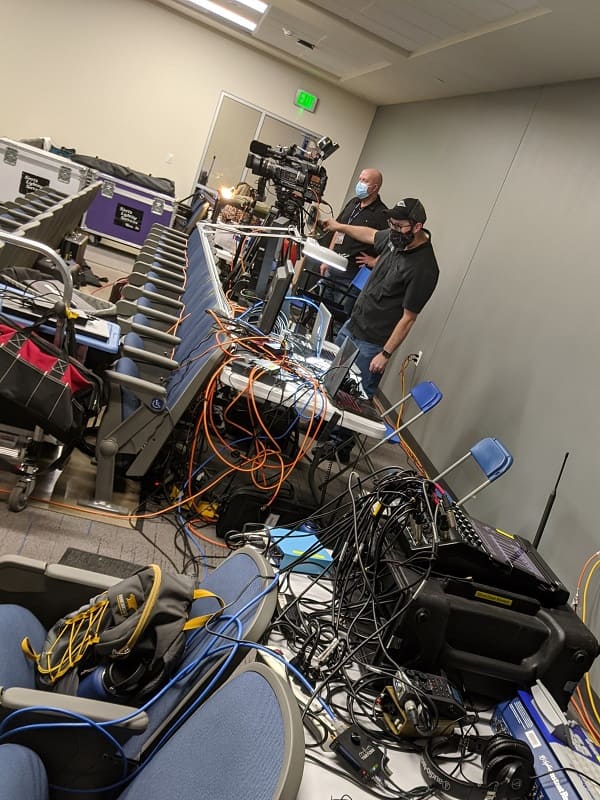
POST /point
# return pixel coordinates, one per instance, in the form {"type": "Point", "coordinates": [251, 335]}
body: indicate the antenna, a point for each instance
{"type": "Point", "coordinates": [549, 504]}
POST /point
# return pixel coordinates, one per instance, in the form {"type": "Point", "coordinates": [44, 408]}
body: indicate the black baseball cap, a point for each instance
{"type": "Point", "coordinates": [409, 208]}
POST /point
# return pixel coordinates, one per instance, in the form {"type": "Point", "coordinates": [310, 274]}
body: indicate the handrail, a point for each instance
{"type": "Point", "coordinates": [45, 250]}
{"type": "Point", "coordinates": [65, 272]}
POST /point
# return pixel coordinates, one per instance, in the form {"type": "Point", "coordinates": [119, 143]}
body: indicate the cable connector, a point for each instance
{"type": "Point", "coordinates": [412, 712]}
{"type": "Point", "coordinates": [575, 601]}
{"type": "Point", "coordinates": [324, 656]}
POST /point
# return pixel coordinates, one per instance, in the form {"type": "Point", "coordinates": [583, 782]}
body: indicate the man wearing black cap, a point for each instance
{"type": "Point", "coordinates": [400, 285]}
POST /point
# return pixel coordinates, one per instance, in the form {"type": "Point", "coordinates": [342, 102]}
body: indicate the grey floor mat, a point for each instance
{"type": "Point", "coordinates": [72, 557]}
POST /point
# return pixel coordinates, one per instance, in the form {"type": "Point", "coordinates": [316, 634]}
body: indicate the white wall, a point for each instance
{"type": "Point", "coordinates": [511, 183]}
{"type": "Point", "coordinates": [131, 81]}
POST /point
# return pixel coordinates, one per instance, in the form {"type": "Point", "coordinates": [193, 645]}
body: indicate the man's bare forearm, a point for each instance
{"type": "Point", "coordinates": [358, 232]}
{"type": "Point", "coordinates": [400, 332]}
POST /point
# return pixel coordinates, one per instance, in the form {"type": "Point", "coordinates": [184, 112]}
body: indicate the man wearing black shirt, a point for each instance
{"type": "Point", "coordinates": [366, 209]}
{"type": "Point", "coordinates": [402, 281]}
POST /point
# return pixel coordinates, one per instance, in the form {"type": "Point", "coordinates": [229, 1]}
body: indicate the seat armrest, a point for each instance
{"type": "Point", "coordinates": [155, 334]}
{"type": "Point", "coordinates": [16, 698]}
{"type": "Point", "coordinates": [144, 356]}
{"type": "Point", "coordinates": [139, 387]}
{"type": "Point", "coordinates": [125, 308]}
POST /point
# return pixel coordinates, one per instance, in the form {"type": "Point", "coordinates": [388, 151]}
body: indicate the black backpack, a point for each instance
{"type": "Point", "coordinates": [136, 630]}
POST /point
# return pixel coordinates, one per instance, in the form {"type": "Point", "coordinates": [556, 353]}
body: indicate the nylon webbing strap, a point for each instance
{"type": "Point", "coordinates": [198, 622]}
{"type": "Point", "coordinates": [77, 634]}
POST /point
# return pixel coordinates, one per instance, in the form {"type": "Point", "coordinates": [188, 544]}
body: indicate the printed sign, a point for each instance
{"type": "Point", "coordinates": [130, 218]}
{"type": "Point", "coordinates": [31, 182]}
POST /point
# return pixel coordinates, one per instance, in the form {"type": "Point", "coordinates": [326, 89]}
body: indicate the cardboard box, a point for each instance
{"type": "Point", "coordinates": [523, 719]}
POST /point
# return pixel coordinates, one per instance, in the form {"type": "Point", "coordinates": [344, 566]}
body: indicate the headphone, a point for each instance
{"type": "Point", "coordinates": [507, 767]}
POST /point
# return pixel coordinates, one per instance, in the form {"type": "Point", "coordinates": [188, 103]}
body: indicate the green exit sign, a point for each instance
{"type": "Point", "coordinates": [306, 100]}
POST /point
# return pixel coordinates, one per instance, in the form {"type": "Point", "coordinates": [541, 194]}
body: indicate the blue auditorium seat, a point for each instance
{"type": "Point", "coordinates": [142, 433]}
{"type": "Point", "coordinates": [245, 742]}
{"type": "Point", "coordinates": [245, 582]}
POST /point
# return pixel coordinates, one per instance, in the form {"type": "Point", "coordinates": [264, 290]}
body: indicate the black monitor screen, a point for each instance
{"type": "Point", "coordinates": [278, 288]}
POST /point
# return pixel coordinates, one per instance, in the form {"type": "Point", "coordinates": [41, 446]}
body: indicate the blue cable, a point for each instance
{"type": "Point", "coordinates": [232, 648]}
{"type": "Point", "coordinates": [309, 302]}
{"type": "Point", "coordinates": [85, 722]}
{"type": "Point", "coordinates": [288, 665]}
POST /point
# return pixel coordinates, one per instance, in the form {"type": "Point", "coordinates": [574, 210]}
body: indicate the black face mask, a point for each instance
{"type": "Point", "coordinates": [400, 241]}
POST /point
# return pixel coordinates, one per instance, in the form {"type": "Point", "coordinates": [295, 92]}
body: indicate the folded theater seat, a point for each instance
{"type": "Point", "coordinates": [245, 742]}
{"type": "Point", "coordinates": [34, 596]}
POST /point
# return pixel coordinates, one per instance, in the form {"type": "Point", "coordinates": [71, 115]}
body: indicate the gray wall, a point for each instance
{"type": "Point", "coordinates": [511, 183]}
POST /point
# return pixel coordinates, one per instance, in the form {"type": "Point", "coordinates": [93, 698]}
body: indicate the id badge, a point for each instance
{"type": "Point", "coordinates": [339, 237]}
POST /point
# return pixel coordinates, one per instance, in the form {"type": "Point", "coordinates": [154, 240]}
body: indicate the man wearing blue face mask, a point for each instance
{"type": "Point", "coordinates": [400, 285]}
{"type": "Point", "coordinates": [366, 209]}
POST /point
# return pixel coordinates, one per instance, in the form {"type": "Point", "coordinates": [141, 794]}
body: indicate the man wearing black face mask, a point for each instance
{"type": "Point", "coordinates": [400, 285]}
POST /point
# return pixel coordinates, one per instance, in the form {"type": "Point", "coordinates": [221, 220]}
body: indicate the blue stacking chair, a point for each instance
{"type": "Point", "coordinates": [492, 457]}
{"type": "Point", "coordinates": [245, 742]}
{"type": "Point", "coordinates": [426, 395]}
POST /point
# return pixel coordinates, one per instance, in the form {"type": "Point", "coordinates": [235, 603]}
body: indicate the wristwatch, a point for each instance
{"type": "Point", "coordinates": [386, 354]}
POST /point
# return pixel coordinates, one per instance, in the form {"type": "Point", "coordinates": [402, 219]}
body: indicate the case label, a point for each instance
{"type": "Point", "coordinates": [31, 182]}
{"type": "Point", "coordinates": [127, 217]}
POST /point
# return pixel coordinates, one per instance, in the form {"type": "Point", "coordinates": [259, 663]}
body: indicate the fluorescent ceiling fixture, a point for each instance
{"type": "Point", "coordinates": [231, 16]}
{"type": "Point", "coordinates": [255, 5]}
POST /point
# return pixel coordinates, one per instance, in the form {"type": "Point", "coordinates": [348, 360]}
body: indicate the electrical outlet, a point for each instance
{"type": "Point", "coordinates": [418, 358]}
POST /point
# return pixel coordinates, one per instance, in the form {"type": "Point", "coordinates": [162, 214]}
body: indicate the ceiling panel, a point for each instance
{"type": "Point", "coordinates": [422, 24]}
{"type": "Point", "coordinates": [394, 51]}
{"type": "Point", "coordinates": [342, 52]}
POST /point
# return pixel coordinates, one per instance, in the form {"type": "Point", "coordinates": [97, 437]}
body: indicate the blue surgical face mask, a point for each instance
{"type": "Point", "coordinates": [361, 190]}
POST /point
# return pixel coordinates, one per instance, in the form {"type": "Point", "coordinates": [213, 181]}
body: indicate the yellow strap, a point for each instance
{"type": "Point", "coordinates": [28, 649]}
{"type": "Point", "coordinates": [84, 626]}
{"type": "Point", "coordinates": [198, 622]}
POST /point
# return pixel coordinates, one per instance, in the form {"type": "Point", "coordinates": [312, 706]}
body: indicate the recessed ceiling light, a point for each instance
{"type": "Point", "coordinates": [225, 13]}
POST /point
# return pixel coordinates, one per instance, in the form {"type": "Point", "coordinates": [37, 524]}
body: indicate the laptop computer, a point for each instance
{"type": "Point", "coordinates": [339, 368]}
{"type": "Point", "coordinates": [356, 405]}
{"type": "Point", "coordinates": [334, 378]}
{"type": "Point", "coordinates": [313, 345]}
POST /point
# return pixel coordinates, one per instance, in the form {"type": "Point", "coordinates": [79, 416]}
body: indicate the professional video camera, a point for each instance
{"type": "Point", "coordinates": [294, 170]}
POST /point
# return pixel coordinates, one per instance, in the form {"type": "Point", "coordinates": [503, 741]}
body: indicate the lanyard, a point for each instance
{"type": "Point", "coordinates": [354, 213]}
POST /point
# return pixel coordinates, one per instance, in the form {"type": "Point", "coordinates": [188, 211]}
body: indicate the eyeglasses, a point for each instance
{"type": "Point", "coordinates": [400, 226]}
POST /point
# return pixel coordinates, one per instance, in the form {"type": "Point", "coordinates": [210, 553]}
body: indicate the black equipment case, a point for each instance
{"type": "Point", "coordinates": [488, 640]}
{"type": "Point", "coordinates": [247, 504]}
